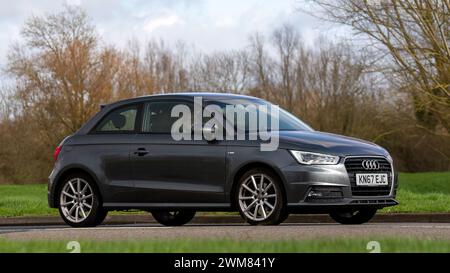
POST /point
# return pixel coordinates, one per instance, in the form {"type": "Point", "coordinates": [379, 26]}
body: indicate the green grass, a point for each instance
{"type": "Point", "coordinates": [422, 183]}
{"type": "Point", "coordinates": [418, 192]}
{"type": "Point", "coordinates": [423, 192]}
{"type": "Point", "coordinates": [24, 200]}
{"type": "Point", "coordinates": [230, 246]}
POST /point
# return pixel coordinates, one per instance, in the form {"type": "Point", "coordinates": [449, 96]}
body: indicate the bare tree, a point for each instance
{"type": "Point", "coordinates": [221, 72]}
{"type": "Point", "coordinates": [61, 74]}
{"type": "Point", "coordinates": [286, 42]}
{"type": "Point", "coordinates": [261, 66]}
{"type": "Point", "coordinates": [414, 37]}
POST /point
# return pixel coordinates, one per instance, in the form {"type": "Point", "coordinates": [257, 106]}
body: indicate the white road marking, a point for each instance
{"type": "Point", "coordinates": [420, 226]}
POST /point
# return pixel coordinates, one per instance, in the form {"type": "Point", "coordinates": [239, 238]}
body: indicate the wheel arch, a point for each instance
{"type": "Point", "coordinates": [69, 171]}
{"type": "Point", "coordinates": [249, 166]}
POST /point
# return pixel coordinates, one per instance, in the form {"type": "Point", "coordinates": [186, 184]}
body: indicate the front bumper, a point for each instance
{"type": "Point", "coordinates": [333, 183]}
{"type": "Point", "coordinates": [345, 204]}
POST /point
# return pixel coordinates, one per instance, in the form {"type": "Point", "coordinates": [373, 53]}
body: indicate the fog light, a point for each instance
{"type": "Point", "coordinates": [313, 193]}
{"type": "Point", "coordinates": [323, 194]}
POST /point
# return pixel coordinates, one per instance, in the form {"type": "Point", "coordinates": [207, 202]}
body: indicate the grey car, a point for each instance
{"type": "Point", "coordinates": [125, 157]}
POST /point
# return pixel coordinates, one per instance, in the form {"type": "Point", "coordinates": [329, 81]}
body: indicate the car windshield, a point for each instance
{"type": "Point", "coordinates": [287, 121]}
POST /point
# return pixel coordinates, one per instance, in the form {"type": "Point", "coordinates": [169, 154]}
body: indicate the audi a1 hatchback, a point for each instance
{"type": "Point", "coordinates": [126, 157]}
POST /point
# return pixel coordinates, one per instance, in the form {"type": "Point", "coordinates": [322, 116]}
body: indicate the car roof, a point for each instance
{"type": "Point", "coordinates": [204, 95]}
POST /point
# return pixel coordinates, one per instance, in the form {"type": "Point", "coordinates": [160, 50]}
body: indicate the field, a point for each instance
{"type": "Point", "coordinates": [229, 246]}
{"type": "Point", "coordinates": [423, 192]}
{"type": "Point", "coordinates": [418, 192]}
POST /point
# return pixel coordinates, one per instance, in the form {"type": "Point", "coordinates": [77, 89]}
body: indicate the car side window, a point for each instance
{"type": "Point", "coordinates": [157, 116]}
{"type": "Point", "coordinates": [122, 120]}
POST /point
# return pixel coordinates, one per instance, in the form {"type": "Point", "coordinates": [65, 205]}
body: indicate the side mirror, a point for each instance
{"type": "Point", "coordinates": [209, 133]}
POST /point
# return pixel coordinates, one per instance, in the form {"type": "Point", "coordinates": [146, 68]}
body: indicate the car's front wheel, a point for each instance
{"type": "Point", "coordinates": [79, 202]}
{"type": "Point", "coordinates": [354, 217]}
{"type": "Point", "coordinates": [173, 218]}
{"type": "Point", "coordinates": [260, 199]}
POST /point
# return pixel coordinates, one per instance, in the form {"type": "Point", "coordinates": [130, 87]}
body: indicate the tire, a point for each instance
{"type": "Point", "coordinates": [173, 218]}
{"type": "Point", "coordinates": [260, 204]}
{"type": "Point", "coordinates": [79, 190]}
{"type": "Point", "coordinates": [284, 215]}
{"type": "Point", "coordinates": [355, 217]}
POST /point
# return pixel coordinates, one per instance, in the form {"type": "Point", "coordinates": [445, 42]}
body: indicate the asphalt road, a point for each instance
{"type": "Point", "coordinates": [234, 231]}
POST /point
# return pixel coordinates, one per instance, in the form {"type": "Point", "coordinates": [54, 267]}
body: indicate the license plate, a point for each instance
{"type": "Point", "coordinates": [371, 179]}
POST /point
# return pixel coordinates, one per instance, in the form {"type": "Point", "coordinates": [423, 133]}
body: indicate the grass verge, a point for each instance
{"type": "Point", "coordinates": [423, 192]}
{"type": "Point", "coordinates": [387, 245]}
{"type": "Point", "coordinates": [24, 200]}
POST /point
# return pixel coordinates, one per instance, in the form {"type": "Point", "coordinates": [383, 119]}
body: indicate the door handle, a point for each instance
{"type": "Point", "coordinates": [141, 152]}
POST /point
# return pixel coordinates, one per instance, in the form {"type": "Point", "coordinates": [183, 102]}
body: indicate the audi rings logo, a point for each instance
{"type": "Point", "coordinates": [370, 165]}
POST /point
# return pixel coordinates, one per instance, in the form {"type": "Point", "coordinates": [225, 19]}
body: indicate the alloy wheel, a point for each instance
{"type": "Point", "coordinates": [76, 200]}
{"type": "Point", "coordinates": [258, 197]}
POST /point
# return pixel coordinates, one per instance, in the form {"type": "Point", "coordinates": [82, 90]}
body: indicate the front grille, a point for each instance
{"type": "Point", "coordinates": [354, 165]}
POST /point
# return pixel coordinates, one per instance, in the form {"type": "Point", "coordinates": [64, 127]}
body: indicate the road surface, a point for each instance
{"type": "Point", "coordinates": [232, 231]}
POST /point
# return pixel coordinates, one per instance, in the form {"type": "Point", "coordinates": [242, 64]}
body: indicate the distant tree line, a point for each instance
{"type": "Point", "coordinates": [397, 97]}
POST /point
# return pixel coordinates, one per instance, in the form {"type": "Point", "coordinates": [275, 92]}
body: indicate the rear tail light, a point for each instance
{"type": "Point", "coordinates": [56, 153]}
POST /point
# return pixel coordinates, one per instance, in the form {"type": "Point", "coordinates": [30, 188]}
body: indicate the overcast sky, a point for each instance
{"type": "Point", "coordinates": [208, 24]}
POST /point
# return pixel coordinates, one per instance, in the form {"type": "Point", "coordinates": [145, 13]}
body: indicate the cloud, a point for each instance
{"type": "Point", "coordinates": [209, 25]}
{"type": "Point", "coordinates": [225, 22]}
{"type": "Point", "coordinates": [161, 21]}
{"type": "Point", "coordinates": [73, 2]}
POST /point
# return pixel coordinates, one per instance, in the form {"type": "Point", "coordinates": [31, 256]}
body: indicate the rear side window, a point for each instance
{"type": "Point", "coordinates": [122, 120]}
{"type": "Point", "coordinates": [157, 116]}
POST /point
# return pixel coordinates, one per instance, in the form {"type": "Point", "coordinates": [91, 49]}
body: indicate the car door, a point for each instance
{"type": "Point", "coordinates": [170, 171]}
{"type": "Point", "coordinates": [109, 146]}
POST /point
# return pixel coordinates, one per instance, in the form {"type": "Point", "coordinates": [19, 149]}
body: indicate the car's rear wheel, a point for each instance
{"type": "Point", "coordinates": [354, 217]}
{"type": "Point", "coordinates": [173, 217]}
{"type": "Point", "coordinates": [79, 202]}
{"type": "Point", "coordinates": [260, 199]}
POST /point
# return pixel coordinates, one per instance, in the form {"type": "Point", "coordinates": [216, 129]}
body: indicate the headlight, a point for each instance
{"type": "Point", "coordinates": [314, 158]}
{"type": "Point", "coordinates": [389, 158]}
